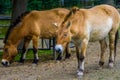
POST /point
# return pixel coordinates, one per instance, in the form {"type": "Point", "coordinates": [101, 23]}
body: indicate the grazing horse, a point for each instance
{"type": "Point", "coordinates": [32, 26]}
{"type": "Point", "coordinates": [84, 25]}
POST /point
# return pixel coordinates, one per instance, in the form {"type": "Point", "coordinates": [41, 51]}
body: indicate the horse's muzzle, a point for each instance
{"type": "Point", "coordinates": [5, 63]}
{"type": "Point", "coordinates": [59, 49]}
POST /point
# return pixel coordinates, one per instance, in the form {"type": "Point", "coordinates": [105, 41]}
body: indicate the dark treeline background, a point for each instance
{"type": "Point", "coordinates": [6, 5]}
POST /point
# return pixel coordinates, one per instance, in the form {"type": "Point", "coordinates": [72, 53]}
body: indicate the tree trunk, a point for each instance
{"type": "Point", "coordinates": [19, 7]}
{"type": "Point", "coordinates": [62, 3]}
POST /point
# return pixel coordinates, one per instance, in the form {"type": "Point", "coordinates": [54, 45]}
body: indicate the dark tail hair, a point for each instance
{"type": "Point", "coordinates": [13, 24]}
{"type": "Point", "coordinates": [115, 43]}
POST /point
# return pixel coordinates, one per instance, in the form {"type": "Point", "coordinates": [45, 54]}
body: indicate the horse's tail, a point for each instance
{"type": "Point", "coordinates": [115, 43]}
{"type": "Point", "coordinates": [13, 24]}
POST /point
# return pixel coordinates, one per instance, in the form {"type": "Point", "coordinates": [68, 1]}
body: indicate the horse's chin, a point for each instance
{"type": "Point", "coordinates": [5, 62]}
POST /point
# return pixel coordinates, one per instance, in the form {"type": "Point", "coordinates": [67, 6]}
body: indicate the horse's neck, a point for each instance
{"type": "Point", "coordinates": [78, 26]}
{"type": "Point", "coordinates": [16, 36]}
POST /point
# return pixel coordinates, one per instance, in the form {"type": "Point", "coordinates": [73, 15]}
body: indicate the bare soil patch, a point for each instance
{"type": "Point", "coordinates": [48, 69]}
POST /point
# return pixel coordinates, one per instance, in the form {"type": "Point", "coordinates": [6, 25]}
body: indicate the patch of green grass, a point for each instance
{"type": "Point", "coordinates": [43, 55]}
{"type": "Point", "coordinates": [4, 24]}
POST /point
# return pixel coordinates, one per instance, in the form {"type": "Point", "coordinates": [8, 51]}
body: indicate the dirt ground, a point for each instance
{"type": "Point", "coordinates": [65, 70]}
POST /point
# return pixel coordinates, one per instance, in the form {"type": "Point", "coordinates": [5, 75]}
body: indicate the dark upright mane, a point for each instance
{"type": "Point", "coordinates": [66, 17]}
{"type": "Point", "coordinates": [72, 11]}
{"type": "Point", "coordinates": [18, 20]}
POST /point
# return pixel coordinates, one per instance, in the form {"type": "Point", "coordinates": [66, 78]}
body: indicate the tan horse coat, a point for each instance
{"type": "Point", "coordinates": [84, 25]}
{"type": "Point", "coordinates": [35, 25]}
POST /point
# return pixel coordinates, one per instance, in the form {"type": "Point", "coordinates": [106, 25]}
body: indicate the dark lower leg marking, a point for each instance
{"type": "Point", "coordinates": [67, 56]}
{"type": "Point", "coordinates": [81, 70]}
{"type": "Point", "coordinates": [81, 65]}
{"type": "Point", "coordinates": [59, 57]}
{"type": "Point", "coordinates": [35, 55]}
{"type": "Point", "coordinates": [101, 63]}
{"type": "Point", "coordinates": [22, 54]}
{"type": "Point", "coordinates": [82, 58]}
{"type": "Point", "coordinates": [110, 61]}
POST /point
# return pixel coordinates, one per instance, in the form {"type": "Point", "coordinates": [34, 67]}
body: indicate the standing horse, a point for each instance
{"type": "Point", "coordinates": [84, 25]}
{"type": "Point", "coordinates": [32, 26]}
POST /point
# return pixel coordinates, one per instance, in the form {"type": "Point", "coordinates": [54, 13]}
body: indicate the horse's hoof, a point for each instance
{"type": "Point", "coordinates": [21, 61]}
{"type": "Point", "coordinates": [80, 74]}
{"type": "Point", "coordinates": [67, 56]}
{"type": "Point", "coordinates": [101, 63]}
{"type": "Point", "coordinates": [59, 58]}
{"type": "Point", "coordinates": [35, 61]}
{"type": "Point", "coordinates": [110, 65]}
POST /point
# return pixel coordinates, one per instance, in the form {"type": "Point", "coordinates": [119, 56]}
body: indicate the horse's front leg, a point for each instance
{"type": "Point", "coordinates": [67, 51]}
{"type": "Point", "coordinates": [35, 40]}
{"type": "Point", "coordinates": [24, 50]}
{"type": "Point", "coordinates": [103, 46]}
{"type": "Point", "coordinates": [81, 57]}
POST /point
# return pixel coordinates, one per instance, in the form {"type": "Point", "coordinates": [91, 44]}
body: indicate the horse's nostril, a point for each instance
{"type": "Point", "coordinates": [5, 63]}
{"type": "Point", "coordinates": [59, 48]}
{"type": "Point", "coordinates": [58, 51]}
{"type": "Point", "coordinates": [2, 63]}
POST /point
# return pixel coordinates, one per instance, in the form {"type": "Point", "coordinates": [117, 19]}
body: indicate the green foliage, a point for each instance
{"type": "Point", "coordinates": [42, 4]}
{"type": "Point", "coordinates": [43, 55]}
{"type": "Point", "coordinates": [34, 5]}
{"type": "Point", "coordinates": [3, 27]}
{"type": "Point", "coordinates": [5, 6]}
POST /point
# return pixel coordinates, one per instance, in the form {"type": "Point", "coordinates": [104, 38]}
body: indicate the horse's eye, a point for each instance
{"type": "Point", "coordinates": [65, 35]}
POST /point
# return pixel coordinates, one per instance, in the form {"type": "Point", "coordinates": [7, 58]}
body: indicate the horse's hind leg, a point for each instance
{"type": "Point", "coordinates": [111, 46]}
{"type": "Point", "coordinates": [103, 46]}
{"type": "Point", "coordinates": [35, 48]}
{"type": "Point", "coordinates": [24, 50]}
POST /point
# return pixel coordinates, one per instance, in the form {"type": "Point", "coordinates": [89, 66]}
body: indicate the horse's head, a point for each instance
{"type": "Point", "coordinates": [63, 37]}
{"type": "Point", "coordinates": [9, 52]}
{"type": "Point", "coordinates": [64, 31]}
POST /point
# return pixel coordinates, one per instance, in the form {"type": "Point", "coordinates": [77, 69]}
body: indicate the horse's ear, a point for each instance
{"type": "Point", "coordinates": [74, 9]}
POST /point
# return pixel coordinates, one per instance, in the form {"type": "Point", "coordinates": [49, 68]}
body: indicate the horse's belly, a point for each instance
{"type": "Point", "coordinates": [100, 31]}
{"type": "Point", "coordinates": [95, 36]}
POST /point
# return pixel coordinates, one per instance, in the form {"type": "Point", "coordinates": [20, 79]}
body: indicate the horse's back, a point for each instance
{"type": "Point", "coordinates": [42, 22]}
{"type": "Point", "coordinates": [103, 19]}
